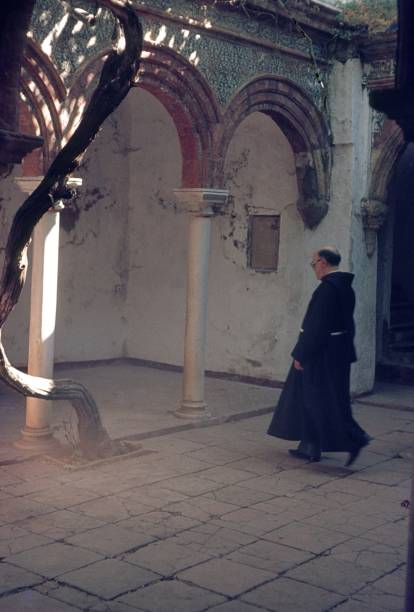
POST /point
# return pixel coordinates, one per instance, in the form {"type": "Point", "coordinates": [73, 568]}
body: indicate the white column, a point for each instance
{"type": "Point", "coordinates": [37, 434]}
{"type": "Point", "coordinates": [202, 205]}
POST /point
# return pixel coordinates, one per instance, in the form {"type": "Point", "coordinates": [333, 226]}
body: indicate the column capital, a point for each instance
{"type": "Point", "coordinates": [202, 201]}
{"type": "Point", "coordinates": [28, 183]}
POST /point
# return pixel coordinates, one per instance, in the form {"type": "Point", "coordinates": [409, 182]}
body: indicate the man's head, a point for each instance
{"type": "Point", "coordinates": [325, 260]}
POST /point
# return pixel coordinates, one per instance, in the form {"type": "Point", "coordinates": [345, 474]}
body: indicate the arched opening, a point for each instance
{"type": "Point", "coordinates": [253, 300]}
{"type": "Point", "coordinates": [395, 277]}
{"type": "Point", "coordinates": [304, 127]}
{"type": "Point", "coordinates": [122, 279]}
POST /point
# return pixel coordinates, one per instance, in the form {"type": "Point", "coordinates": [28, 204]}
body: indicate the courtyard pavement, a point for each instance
{"type": "Point", "coordinates": [213, 517]}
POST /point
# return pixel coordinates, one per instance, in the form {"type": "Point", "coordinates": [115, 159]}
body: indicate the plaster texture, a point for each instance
{"type": "Point", "coordinates": [124, 243]}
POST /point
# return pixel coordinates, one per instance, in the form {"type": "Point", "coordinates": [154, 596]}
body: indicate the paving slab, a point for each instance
{"type": "Point", "coordinates": [313, 539]}
{"type": "Point", "coordinates": [60, 524]}
{"type": "Point", "coordinates": [269, 556]}
{"type": "Point", "coordinates": [54, 559]}
{"type": "Point", "coordinates": [359, 551]}
{"type": "Point", "coordinates": [159, 597]}
{"type": "Point", "coordinates": [67, 595]}
{"type": "Point", "coordinates": [286, 595]}
{"type": "Point", "coordinates": [214, 540]}
{"type": "Point", "coordinates": [250, 520]}
{"type": "Point", "coordinates": [159, 524]}
{"type": "Point", "coordinates": [166, 557]}
{"type": "Point", "coordinates": [389, 395]}
{"type": "Point", "coordinates": [13, 540]}
{"type": "Point", "coordinates": [109, 578]}
{"type": "Point", "coordinates": [335, 575]}
{"type": "Point", "coordinates": [110, 540]}
{"type": "Point", "coordinates": [236, 606]}
{"type": "Point", "coordinates": [225, 577]}
{"type": "Point", "coordinates": [12, 578]}
{"type": "Point", "coordinates": [31, 601]}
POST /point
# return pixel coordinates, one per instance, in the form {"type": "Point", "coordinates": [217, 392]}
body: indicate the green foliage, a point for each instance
{"type": "Point", "coordinates": [377, 15]}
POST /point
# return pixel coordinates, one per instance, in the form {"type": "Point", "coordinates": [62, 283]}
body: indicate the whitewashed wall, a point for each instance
{"type": "Point", "coordinates": [157, 236]}
{"type": "Point", "coordinates": [351, 121]}
{"type": "Point", "coordinates": [124, 248]}
{"type": "Point", "coordinates": [253, 317]}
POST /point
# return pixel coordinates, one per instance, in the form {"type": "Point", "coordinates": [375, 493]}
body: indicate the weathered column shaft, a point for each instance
{"type": "Point", "coordinates": [37, 434]}
{"type": "Point", "coordinates": [196, 312]}
{"type": "Point", "coordinates": [43, 313]}
{"type": "Point", "coordinates": [202, 204]}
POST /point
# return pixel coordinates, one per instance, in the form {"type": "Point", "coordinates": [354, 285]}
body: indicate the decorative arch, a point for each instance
{"type": "Point", "coordinates": [303, 125]}
{"type": "Point", "coordinates": [375, 208]}
{"type": "Point", "coordinates": [44, 92]}
{"type": "Point", "coordinates": [392, 147]}
{"type": "Point", "coordinates": [184, 93]}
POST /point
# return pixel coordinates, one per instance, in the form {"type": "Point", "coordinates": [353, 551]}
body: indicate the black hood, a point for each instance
{"type": "Point", "coordinates": [342, 281]}
{"type": "Point", "coordinates": [339, 279]}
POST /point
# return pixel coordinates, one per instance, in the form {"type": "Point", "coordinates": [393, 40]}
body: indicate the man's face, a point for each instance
{"type": "Point", "coordinates": [319, 266]}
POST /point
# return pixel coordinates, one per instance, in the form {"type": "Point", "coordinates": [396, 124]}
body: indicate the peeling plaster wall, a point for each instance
{"type": "Point", "coordinates": [155, 307]}
{"type": "Point", "coordinates": [350, 114]}
{"type": "Point", "coordinates": [94, 252]}
{"type": "Point", "coordinates": [254, 317]}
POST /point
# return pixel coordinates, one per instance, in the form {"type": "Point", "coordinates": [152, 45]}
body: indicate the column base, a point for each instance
{"type": "Point", "coordinates": [40, 440]}
{"type": "Point", "coordinates": [193, 410]}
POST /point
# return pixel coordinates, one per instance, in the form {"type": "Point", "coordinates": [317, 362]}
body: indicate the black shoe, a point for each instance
{"type": "Point", "coordinates": [353, 455]}
{"type": "Point", "coordinates": [295, 452]}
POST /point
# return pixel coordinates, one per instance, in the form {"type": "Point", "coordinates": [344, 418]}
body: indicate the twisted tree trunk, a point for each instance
{"type": "Point", "coordinates": [116, 79]}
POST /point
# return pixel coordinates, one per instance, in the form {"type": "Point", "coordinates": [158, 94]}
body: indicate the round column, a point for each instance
{"type": "Point", "coordinates": [202, 205]}
{"type": "Point", "coordinates": [37, 434]}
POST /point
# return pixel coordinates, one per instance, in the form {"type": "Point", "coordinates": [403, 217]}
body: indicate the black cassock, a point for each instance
{"type": "Point", "coordinates": [315, 404]}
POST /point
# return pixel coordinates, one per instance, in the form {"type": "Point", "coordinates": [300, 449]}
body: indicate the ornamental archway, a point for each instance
{"type": "Point", "coordinates": [383, 225]}
{"type": "Point", "coordinates": [303, 125]}
{"type": "Point", "coordinates": [184, 93]}
{"type": "Point", "coordinates": [42, 92]}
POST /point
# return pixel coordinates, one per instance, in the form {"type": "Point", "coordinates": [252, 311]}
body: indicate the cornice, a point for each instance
{"type": "Point", "coordinates": [211, 29]}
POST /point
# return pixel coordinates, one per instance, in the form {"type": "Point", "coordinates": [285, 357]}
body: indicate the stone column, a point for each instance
{"type": "Point", "coordinates": [202, 204]}
{"type": "Point", "coordinates": [37, 434]}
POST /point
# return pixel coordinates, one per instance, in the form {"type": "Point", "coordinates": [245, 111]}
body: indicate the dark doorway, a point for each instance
{"type": "Point", "coordinates": [395, 308]}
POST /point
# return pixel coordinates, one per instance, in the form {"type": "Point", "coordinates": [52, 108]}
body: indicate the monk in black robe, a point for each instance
{"type": "Point", "coordinates": [315, 404]}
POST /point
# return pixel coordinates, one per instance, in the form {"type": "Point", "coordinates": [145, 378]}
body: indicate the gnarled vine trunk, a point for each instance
{"type": "Point", "coordinates": [118, 73]}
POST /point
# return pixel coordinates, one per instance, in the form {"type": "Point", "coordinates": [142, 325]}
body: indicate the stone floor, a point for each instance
{"type": "Point", "coordinates": [217, 517]}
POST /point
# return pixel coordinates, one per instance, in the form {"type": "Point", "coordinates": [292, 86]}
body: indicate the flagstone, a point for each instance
{"type": "Point", "coordinates": [109, 578]}
{"type": "Point", "coordinates": [335, 575]}
{"type": "Point", "coordinates": [110, 540]}
{"type": "Point", "coordinates": [53, 559]}
{"type": "Point", "coordinates": [305, 537]}
{"type": "Point", "coordinates": [159, 597]}
{"type": "Point", "coordinates": [286, 595]}
{"type": "Point", "coordinates": [166, 557]}
{"type": "Point", "coordinates": [269, 556]}
{"type": "Point", "coordinates": [12, 578]}
{"type": "Point", "coordinates": [31, 601]}
{"type": "Point", "coordinates": [225, 577]}
{"type": "Point", "coordinates": [60, 524]}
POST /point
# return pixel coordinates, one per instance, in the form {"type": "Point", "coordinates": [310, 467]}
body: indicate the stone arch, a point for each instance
{"type": "Point", "coordinates": [44, 92]}
{"type": "Point", "coordinates": [392, 147]}
{"type": "Point", "coordinates": [184, 93]}
{"type": "Point", "coordinates": [375, 208]}
{"type": "Point", "coordinates": [303, 125]}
